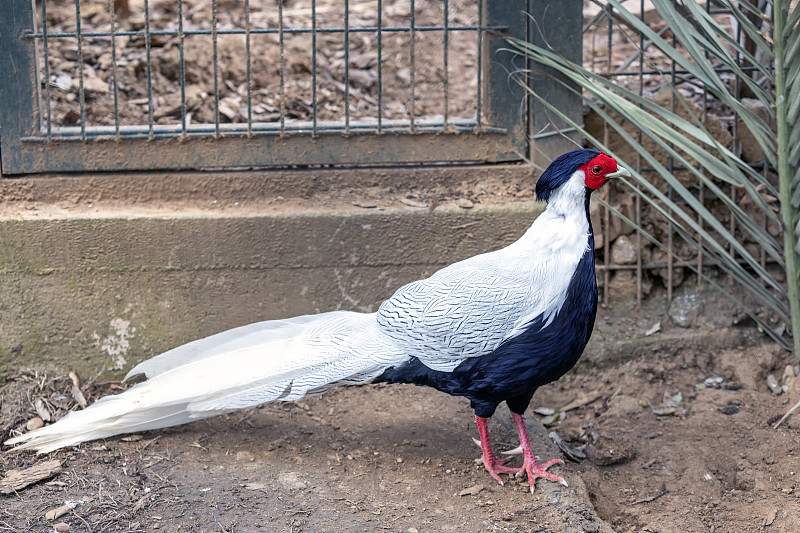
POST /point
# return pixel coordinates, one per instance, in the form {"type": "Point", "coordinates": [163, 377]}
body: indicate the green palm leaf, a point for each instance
{"type": "Point", "coordinates": [703, 46]}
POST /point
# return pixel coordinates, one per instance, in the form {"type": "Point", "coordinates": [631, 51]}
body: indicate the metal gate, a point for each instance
{"type": "Point", "coordinates": [266, 130]}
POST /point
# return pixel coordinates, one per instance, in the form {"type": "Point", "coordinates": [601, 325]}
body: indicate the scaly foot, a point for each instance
{"type": "Point", "coordinates": [535, 470]}
{"type": "Point", "coordinates": [492, 465]}
{"type": "Point", "coordinates": [530, 466]}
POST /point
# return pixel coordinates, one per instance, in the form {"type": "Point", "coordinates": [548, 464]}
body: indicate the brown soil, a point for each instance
{"type": "Point", "coordinates": [396, 458]}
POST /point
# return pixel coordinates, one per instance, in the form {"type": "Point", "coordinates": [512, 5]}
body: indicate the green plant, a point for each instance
{"type": "Point", "coordinates": [701, 45]}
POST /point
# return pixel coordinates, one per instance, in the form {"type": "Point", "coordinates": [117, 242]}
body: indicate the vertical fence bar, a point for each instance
{"type": "Point", "coordinates": [478, 89]}
{"type": "Point", "coordinates": [182, 66]}
{"type": "Point", "coordinates": [638, 200]}
{"type": "Point", "coordinates": [282, 69]}
{"type": "Point", "coordinates": [214, 61]}
{"type": "Point", "coordinates": [380, 66]}
{"type": "Point", "coordinates": [247, 54]}
{"type": "Point", "coordinates": [700, 192]}
{"type": "Point", "coordinates": [737, 145]}
{"type": "Point", "coordinates": [48, 105]}
{"type": "Point", "coordinates": [346, 67]}
{"type": "Point", "coordinates": [148, 66]}
{"type": "Point", "coordinates": [671, 165]}
{"type": "Point", "coordinates": [314, 68]}
{"type": "Point", "coordinates": [412, 74]}
{"type": "Point", "coordinates": [445, 38]}
{"type": "Point", "coordinates": [765, 169]}
{"type": "Point", "coordinates": [701, 198]}
{"type": "Point", "coordinates": [607, 192]}
{"type": "Point", "coordinates": [38, 77]}
{"type": "Point", "coordinates": [112, 12]}
{"type": "Point", "coordinates": [81, 94]}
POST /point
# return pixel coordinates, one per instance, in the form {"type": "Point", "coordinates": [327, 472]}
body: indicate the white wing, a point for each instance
{"type": "Point", "coordinates": [469, 308]}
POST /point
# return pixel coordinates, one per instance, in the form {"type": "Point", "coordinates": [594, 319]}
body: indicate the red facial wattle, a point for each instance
{"type": "Point", "coordinates": [596, 170]}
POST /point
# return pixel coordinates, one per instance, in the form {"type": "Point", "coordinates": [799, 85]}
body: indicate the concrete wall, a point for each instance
{"type": "Point", "coordinates": [99, 283]}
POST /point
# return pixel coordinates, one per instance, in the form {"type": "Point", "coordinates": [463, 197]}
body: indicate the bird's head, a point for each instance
{"type": "Point", "coordinates": [581, 171]}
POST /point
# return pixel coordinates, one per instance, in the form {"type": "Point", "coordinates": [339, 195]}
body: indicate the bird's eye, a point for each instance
{"type": "Point", "coordinates": [597, 169]}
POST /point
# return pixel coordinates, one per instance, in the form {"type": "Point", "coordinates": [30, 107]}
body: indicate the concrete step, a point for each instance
{"type": "Point", "coordinates": [99, 273]}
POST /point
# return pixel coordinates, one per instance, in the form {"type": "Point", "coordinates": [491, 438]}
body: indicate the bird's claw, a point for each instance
{"type": "Point", "coordinates": [515, 451]}
{"type": "Point", "coordinates": [535, 470]}
{"type": "Point", "coordinates": [497, 467]}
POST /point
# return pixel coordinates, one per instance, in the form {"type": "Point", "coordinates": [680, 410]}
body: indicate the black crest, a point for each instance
{"type": "Point", "coordinates": [560, 171]}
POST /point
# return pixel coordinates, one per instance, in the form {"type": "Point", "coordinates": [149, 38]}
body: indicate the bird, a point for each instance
{"type": "Point", "coordinates": [492, 328]}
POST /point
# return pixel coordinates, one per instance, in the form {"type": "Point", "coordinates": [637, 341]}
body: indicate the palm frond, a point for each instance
{"type": "Point", "coordinates": [702, 47]}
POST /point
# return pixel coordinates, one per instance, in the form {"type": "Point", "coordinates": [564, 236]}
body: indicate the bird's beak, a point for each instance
{"type": "Point", "coordinates": [621, 171]}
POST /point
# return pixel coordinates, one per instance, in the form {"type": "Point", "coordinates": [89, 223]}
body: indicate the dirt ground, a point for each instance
{"type": "Point", "coordinates": [662, 453]}
{"type": "Point", "coordinates": [400, 458]}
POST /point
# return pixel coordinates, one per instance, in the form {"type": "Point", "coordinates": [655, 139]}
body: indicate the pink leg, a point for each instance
{"type": "Point", "coordinates": [531, 467]}
{"type": "Point", "coordinates": [492, 465]}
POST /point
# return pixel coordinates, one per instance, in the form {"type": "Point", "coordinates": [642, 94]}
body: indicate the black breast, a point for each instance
{"type": "Point", "coordinates": [514, 370]}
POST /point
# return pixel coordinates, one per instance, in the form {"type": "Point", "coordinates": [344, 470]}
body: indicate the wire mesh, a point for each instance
{"type": "Point", "coordinates": [614, 50]}
{"type": "Point", "coordinates": [252, 67]}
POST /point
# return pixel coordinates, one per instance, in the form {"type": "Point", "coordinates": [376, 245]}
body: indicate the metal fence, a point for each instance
{"type": "Point", "coordinates": [618, 52]}
{"type": "Point", "coordinates": [99, 86]}
{"type": "Point", "coordinates": [95, 86]}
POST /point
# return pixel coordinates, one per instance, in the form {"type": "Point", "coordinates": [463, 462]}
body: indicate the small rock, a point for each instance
{"type": "Point", "coordinates": [471, 491]}
{"type": "Point", "coordinates": [95, 85]}
{"type": "Point", "coordinates": [464, 203]}
{"type": "Point", "coordinates": [773, 385]}
{"type": "Point", "coordinates": [34, 423]}
{"type": "Point", "coordinates": [771, 517]}
{"type": "Point", "coordinates": [788, 378]}
{"type": "Point", "coordinates": [652, 331]}
{"type": "Point", "coordinates": [361, 79]}
{"type": "Point", "coordinates": [685, 309]}
{"type": "Point", "coordinates": [226, 108]}
{"type": "Point", "coordinates": [404, 75]}
{"type": "Point", "coordinates": [623, 252]}
{"type": "Point", "coordinates": [729, 410]}
{"type": "Point", "coordinates": [61, 527]}
{"type": "Point", "coordinates": [63, 82]}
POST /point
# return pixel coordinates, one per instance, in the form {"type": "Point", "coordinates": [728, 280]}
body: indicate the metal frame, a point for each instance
{"type": "Point", "coordinates": [550, 136]}
{"type": "Point", "coordinates": [31, 143]}
{"type": "Point", "coordinates": [635, 67]}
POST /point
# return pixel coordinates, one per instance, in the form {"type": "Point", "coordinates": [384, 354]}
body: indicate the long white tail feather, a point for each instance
{"type": "Point", "coordinates": [279, 360]}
